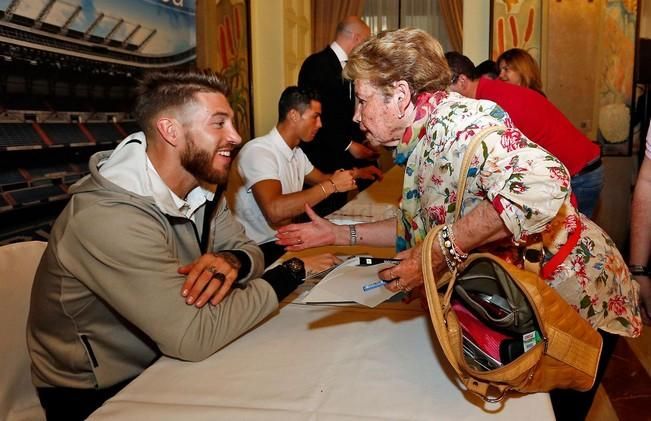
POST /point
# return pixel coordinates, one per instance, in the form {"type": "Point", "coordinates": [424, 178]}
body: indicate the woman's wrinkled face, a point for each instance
{"type": "Point", "coordinates": [507, 74]}
{"type": "Point", "coordinates": [377, 115]}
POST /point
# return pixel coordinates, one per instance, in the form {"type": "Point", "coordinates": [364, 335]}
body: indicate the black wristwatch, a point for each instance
{"type": "Point", "coordinates": [296, 267]}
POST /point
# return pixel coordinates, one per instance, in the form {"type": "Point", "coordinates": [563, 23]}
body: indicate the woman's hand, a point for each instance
{"type": "Point", "coordinates": [318, 232]}
{"type": "Point", "coordinates": [319, 263]}
{"type": "Point", "coordinates": [409, 273]}
{"type": "Point", "coordinates": [209, 278]}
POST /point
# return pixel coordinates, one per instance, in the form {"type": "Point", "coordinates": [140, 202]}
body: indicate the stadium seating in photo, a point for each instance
{"type": "Point", "coordinates": [11, 179]}
{"type": "Point", "coordinates": [39, 231]}
{"type": "Point", "coordinates": [55, 171]}
{"type": "Point", "coordinates": [19, 136]}
{"type": "Point", "coordinates": [104, 132]}
{"type": "Point", "coordinates": [4, 205]}
{"type": "Point", "coordinates": [65, 133]}
{"type": "Point", "coordinates": [39, 194]}
{"type": "Point", "coordinates": [130, 127]}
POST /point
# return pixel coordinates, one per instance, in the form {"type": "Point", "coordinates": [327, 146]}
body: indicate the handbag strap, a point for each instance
{"type": "Point", "coordinates": [465, 164]}
{"type": "Point", "coordinates": [437, 309]}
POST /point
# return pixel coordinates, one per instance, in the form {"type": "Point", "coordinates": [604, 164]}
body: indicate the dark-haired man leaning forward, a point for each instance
{"type": "Point", "coordinates": [125, 277]}
{"type": "Point", "coordinates": [267, 190]}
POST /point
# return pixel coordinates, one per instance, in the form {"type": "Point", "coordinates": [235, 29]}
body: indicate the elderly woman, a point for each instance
{"type": "Point", "coordinates": [517, 193]}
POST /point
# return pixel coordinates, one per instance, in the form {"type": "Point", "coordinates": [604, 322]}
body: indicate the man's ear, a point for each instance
{"type": "Point", "coordinates": [293, 115]}
{"type": "Point", "coordinates": [169, 130]}
{"type": "Point", "coordinates": [462, 80]}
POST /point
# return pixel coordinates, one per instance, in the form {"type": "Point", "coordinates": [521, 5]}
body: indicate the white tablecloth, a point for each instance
{"type": "Point", "coordinates": [325, 363]}
{"type": "Point", "coordinates": [317, 363]}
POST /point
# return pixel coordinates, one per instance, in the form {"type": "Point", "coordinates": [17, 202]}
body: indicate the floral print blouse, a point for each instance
{"type": "Point", "coordinates": [528, 187]}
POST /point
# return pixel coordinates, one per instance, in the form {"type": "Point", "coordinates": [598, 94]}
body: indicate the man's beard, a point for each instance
{"type": "Point", "coordinates": [199, 164]}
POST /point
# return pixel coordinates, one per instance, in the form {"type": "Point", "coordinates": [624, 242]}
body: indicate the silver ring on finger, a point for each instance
{"type": "Point", "coordinates": [399, 285]}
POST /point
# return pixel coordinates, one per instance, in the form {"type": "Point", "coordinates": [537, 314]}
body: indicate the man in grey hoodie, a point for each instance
{"type": "Point", "coordinates": [125, 276]}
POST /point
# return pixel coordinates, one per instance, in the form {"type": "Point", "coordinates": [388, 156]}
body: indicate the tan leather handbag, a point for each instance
{"type": "Point", "coordinates": [567, 356]}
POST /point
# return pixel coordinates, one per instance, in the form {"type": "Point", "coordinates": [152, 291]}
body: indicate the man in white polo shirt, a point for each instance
{"type": "Point", "coordinates": [267, 190]}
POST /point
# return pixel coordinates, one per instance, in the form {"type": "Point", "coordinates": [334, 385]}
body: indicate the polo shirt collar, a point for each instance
{"type": "Point", "coordinates": [280, 144]}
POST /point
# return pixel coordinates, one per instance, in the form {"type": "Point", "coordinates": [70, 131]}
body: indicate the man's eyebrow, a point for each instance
{"type": "Point", "coordinates": [219, 114]}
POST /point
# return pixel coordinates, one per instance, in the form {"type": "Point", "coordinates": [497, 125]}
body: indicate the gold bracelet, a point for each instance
{"type": "Point", "coordinates": [325, 193]}
{"type": "Point", "coordinates": [334, 186]}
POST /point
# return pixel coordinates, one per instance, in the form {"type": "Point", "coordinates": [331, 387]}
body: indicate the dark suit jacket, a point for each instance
{"type": "Point", "coordinates": [322, 72]}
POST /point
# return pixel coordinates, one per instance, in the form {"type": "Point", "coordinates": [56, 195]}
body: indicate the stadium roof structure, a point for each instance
{"type": "Point", "coordinates": [57, 26]}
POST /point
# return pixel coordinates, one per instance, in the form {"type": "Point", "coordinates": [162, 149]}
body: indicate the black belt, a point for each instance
{"type": "Point", "coordinates": [590, 167]}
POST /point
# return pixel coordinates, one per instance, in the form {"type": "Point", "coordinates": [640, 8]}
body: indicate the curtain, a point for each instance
{"type": "Point", "coordinates": [326, 14]}
{"type": "Point", "coordinates": [452, 14]}
{"type": "Point", "coordinates": [383, 15]}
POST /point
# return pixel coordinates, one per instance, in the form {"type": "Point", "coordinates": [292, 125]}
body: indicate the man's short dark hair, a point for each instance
{"type": "Point", "coordinates": [459, 65]}
{"type": "Point", "coordinates": [295, 98]}
{"type": "Point", "coordinates": [161, 90]}
{"type": "Point", "coordinates": [487, 68]}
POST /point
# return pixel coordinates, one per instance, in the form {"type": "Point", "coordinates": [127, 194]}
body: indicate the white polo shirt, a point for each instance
{"type": "Point", "coordinates": [265, 158]}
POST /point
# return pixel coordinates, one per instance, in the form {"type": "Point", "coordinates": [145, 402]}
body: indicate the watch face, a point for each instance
{"type": "Point", "coordinates": [296, 266]}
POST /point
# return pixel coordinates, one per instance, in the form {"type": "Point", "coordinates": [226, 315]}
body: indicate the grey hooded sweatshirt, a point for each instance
{"type": "Point", "coordinates": [106, 300]}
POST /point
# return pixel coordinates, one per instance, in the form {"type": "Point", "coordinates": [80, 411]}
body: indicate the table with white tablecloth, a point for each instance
{"type": "Point", "coordinates": [321, 362]}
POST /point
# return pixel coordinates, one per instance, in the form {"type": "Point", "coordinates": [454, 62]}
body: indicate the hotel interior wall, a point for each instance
{"type": "Point", "coordinates": [566, 70]}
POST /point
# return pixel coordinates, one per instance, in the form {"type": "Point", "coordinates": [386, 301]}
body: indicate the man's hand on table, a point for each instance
{"type": "Point", "coordinates": [319, 263]}
{"type": "Point", "coordinates": [209, 278]}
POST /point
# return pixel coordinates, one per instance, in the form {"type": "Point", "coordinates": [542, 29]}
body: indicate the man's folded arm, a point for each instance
{"type": "Point", "coordinates": [139, 280]}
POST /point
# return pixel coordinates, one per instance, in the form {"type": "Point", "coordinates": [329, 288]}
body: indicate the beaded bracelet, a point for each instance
{"type": "Point", "coordinates": [457, 249]}
{"type": "Point", "coordinates": [449, 245]}
{"type": "Point", "coordinates": [452, 265]}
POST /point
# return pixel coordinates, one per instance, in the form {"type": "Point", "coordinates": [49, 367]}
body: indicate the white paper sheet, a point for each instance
{"type": "Point", "coordinates": [346, 282]}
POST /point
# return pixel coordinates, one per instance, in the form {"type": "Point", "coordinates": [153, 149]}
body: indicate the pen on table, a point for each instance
{"type": "Point", "coordinates": [374, 285]}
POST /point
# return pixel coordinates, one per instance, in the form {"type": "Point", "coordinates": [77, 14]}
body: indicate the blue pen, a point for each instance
{"type": "Point", "coordinates": [373, 285]}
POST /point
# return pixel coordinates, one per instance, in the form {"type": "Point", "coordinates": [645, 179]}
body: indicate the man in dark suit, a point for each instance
{"type": "Point", "coordinates": [337, 144]}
